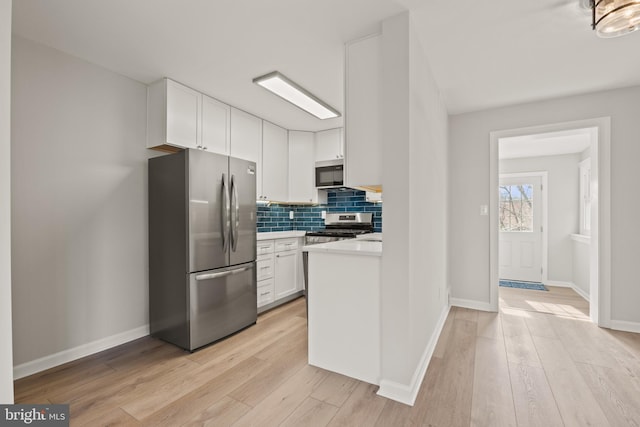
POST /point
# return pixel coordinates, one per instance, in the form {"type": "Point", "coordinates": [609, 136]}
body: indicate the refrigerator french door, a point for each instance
{"type": "Point", "coordinates": [202, 247]}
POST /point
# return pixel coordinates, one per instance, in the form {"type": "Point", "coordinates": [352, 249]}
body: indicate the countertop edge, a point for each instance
{"type": "Point", "coordinates": [334, 248]}
{"type": "Point", "coordinates": [273, 235]}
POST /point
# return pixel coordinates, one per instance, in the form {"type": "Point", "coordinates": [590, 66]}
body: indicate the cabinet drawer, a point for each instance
{"type": "Point", "coordinates": [265, 247]}
{"type": "Point", "coordinates": [286, 245]}
{"type": "Point", "coordinates": [265, 267]}
{"type": "Point", "coordinates": [265, 292]}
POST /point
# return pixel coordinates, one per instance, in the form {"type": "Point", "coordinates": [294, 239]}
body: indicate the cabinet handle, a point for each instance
{"type": "Point", "coordinates": [264, 293]}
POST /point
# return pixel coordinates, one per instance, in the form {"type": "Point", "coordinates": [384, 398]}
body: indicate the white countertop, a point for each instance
{"type": "Point", "coordinates": [280, 235]}
{"type": "Point", "coordinates": [348, 247]}
{"type": "Point", "coordinates": [370, 236]}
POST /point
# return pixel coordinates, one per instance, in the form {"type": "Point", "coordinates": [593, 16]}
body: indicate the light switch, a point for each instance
{"type": "Point", "coordinates": [290, 214]}
{"type": "Point", "coordinates": [484, 210]}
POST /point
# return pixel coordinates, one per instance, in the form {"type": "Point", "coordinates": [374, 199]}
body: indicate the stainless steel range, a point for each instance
{"type": "Point", "coordinates": [340, 226]}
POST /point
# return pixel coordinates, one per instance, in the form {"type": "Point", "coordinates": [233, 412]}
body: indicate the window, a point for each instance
{"type": "Point", "coordinates": [585, 197]}
{"type": "Point", "coordinates": [516, 207]}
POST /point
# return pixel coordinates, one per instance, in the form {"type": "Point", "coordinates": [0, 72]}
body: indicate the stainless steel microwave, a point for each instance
{"type": "Point", "coordinates": [330, 173]}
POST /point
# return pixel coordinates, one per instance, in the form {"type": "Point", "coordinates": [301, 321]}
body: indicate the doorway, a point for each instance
{"type": "Point", "coordinates": [522, 226]}
{"type": "Point", "coordinates": [599, 209]}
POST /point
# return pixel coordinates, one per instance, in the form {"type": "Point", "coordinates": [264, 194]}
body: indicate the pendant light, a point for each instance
{"type": "Point", "coordinates": [613, 18]}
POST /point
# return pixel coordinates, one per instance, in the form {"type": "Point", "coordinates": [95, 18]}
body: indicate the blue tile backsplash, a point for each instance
{"type": "Point", "coordinates": [309, 218]}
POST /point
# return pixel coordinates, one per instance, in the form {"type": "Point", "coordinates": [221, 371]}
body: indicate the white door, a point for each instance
{"type": "Point", "coordinates": [520, 227]}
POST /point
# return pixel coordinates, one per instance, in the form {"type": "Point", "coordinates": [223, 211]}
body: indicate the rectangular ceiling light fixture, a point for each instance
{"type": "Point", "coordinates": [297, 95]}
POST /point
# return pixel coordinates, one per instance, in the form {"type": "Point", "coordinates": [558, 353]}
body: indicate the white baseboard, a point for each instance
{"type": "Point", "coordinates": [559, 284]}
{"type": "Point", "coordinates": [472, 304]}
{"type": "Point", "coordinates": [624, 325]}
{"type": "Point", "coordinates": [571, 285]}
{"type": "Point", "coordinates": [407, 394]}
{"type": "Point", "coordinates": [65, 356]}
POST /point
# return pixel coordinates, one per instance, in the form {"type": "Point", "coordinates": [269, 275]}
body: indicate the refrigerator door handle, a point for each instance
{"type": "Point", "coordinates": [226, 214]}
{"type": "Point", "coordinates": [235, 214]}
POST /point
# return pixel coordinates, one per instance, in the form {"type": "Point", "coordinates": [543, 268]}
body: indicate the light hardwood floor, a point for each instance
{"type": "Point", "coordinates": [539, 362]}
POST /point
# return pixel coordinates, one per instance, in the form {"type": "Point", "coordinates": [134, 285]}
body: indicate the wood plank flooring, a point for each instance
{"type": "Point", "coordinates": [539, 362]}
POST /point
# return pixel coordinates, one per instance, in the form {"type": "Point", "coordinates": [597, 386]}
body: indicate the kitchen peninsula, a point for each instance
{"type": "Point", "coordinates": [344, 307]}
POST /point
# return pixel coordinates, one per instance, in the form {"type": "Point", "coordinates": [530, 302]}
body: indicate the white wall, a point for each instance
{"type": "Point", "coordinates": [563, 195]}
{"type": "Point", "coordinates": [414, 130]}
{"type": "Point", "coordinates": [581, 266]}
{"type": "Point", "coordinates": [6, 363]}
{"type": "Point", "coordinates": [469, 187]}
{"type": "Point", "coordinates": [79, 199]}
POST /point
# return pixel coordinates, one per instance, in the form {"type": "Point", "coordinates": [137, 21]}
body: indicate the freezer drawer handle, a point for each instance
{"type": "Point", "coordinates": [213, 275]}
{"type": "Point", "coordinates": [221, 274]}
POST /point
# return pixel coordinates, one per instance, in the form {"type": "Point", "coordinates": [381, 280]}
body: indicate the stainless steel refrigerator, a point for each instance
{"type": "Point", "coordinates": [202, 247]}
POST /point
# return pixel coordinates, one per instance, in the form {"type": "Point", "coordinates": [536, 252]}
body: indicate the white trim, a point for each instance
{"type": "Point", "coordinates": [544, 178]}
{"type": "Point", "coordinates": [559, 284]}
{"type": "Point", "coordinates": [65, 356]}
{"type": "Point", "coordinates": [407, 393]}
{"type": "Point", "coordinates": [582, 293]}
{"type": "Point", "coordinates": [472, 304]}
{"type": "Point", "coordinates": [581, 238]}
{"type": "Point", "coordinates": [571, 285]}
{"type": "Point", "coordinates": [624, 325]}
{"type": "Point", "coordinates": [600, 250]}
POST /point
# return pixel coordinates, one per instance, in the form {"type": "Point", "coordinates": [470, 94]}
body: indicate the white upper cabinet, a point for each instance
{"type": "Point", "coordinates": [180, 117]}
{"type": "Point", "coordinates": [329, 145]}
{"type": "Point", "coordinates": [275, 163]}
{"type": "Point", "coordinates": [302, 167]}
{"type": "Point", "coordinates": [363, 141]}
{"type": "Point", "coordinates": [215, 127]}
{"type": "Point", "coordinates": [173, 115]}
{"type": "Point", "coordinates": [246, 141]}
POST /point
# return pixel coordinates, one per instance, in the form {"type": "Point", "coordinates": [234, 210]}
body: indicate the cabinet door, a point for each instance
{"type": "Point", "coordinates": [301, 167]}
{"type": "Point", "coordinates": [183, 111]}
{"type": "Point", "coordinates": [275, 163]}
{"type": "Point", "coordinates": [246, 141]}
{"type": "Point", "coordinates": [363, 142]}
{"type": "Point", "coordinates": [328, 145]}
{"type": "Point", "coordinates": [215, 126]}
{"type": "Point", "coordinates": [286, 273]}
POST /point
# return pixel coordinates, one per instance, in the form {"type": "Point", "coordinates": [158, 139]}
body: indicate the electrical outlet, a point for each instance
{"type": "Point", "coordinates": [323, 214]}
{"type": "Point", "coordinates": [290, 214]}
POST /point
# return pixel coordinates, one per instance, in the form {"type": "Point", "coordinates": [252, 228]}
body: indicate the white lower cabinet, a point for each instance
{"type": "Point", "coordinates": [264, 267]}
{"type": "Point", "coordinates": [286, 273]}
{"type": "Point", "coordinates": [264, 272]}
{"type": "Point", "coordinates": [279, 270]}
{"type": "Point", "coordinates": [265, 292]}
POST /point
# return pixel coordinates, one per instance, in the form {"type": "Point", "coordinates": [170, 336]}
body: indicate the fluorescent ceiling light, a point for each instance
{"type": "Point", "coordinates": [297, 95]}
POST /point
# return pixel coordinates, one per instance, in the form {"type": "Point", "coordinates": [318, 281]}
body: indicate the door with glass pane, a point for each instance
{"type": "Point", "coordinates": [520, 227]}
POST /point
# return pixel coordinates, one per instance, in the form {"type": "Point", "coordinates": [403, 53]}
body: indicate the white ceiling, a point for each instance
{"type": "Point", "coordinates": [483, 54]}
{"type": "Point", "coordinates": [546, 144]}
